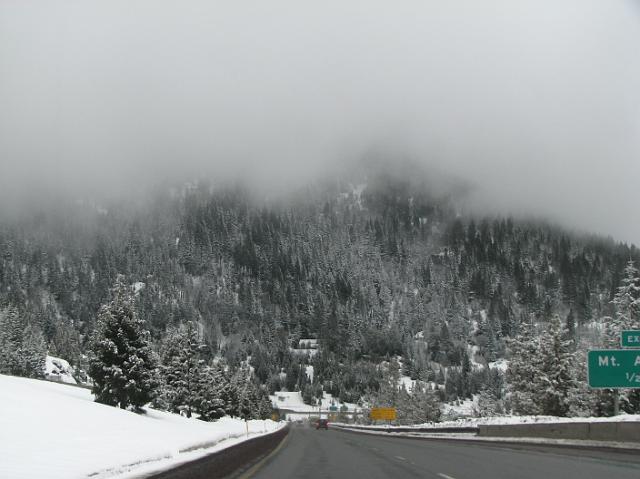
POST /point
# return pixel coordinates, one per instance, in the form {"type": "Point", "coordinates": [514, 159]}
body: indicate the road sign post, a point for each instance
{"type": "Point", "coordinates": [614, 368]}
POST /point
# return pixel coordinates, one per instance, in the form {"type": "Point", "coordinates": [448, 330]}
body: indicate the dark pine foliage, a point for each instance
{"type": "Point", "coordinates": [371, 272]}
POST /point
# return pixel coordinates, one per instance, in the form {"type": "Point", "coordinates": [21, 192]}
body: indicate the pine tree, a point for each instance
{"type": "Point", "coordinates": [264, 405]}
{"type": "Point", "coordinates": [523, 375]}
{"type": "Point", "coordinates": [208, 398]}
{"type": "Point", "coordinates": [558, 371]}
{"type": "Point", "coordinates": [33, 352]}
{"type": "Point", "coordinates": [570, 323]}
{"type": "Point", "coordinates": [181, 368]}
{"type": "Point", "coordinates": [246, 397]}
{"type": "Point", "coordinates": [229, 390]}
{"type": "Point", "coordinates": [418, 406]}
{"type": "Point", "coordinates": [122, 364]}
{"type": "Point", "coordinates": [542, 372]}
{"type": "Point", "coordinates": [22, 347]}
{"type": "Point", "coordinates": [626, 303]}
{"type": "Point", "coordinates": [488, 404]}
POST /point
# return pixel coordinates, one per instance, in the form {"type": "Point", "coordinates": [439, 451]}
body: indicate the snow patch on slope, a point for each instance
{"type": "Point", "coordinates": [501, 365]}
{"type": "Point", "coordinates": [293, 401]}
{"type": "Point", "coordinates": [57, 369]}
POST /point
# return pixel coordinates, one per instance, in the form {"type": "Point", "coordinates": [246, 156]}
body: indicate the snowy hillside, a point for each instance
{"type": "Point", "coordinates": [74, 437]}
{"type": "Point", "coordinates": [293, 401]}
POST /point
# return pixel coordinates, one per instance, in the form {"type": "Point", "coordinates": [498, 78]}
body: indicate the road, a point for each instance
{"type": "Point", "coordinates": [311, 454]}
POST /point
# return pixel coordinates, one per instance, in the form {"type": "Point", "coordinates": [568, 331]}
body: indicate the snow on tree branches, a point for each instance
{"type": "Point", "coordinates": [22, 347]}
{"type": "Point", "coordinates": [122, 363]}
{"type": "Point", "coordinates": [543, 374]}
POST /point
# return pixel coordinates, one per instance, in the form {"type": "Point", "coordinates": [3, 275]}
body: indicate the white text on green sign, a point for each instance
{"type": "Point", "coordinates": [630, 339]}
{"type": "Point", "coordinates": [614, 368]}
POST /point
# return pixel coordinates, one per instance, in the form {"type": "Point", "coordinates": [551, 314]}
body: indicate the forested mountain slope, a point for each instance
{"type": "Point", "coordinates": [374, 266]}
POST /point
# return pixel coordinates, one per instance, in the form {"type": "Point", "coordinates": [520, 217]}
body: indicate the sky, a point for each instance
{"type": "Point", "coordinates": [535, 103]}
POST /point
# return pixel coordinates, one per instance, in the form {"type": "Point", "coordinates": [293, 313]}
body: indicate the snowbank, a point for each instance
{"type": "Point", "coordinates": [57, 431]}
{"type": "Point", "coordinates": [472, 422]}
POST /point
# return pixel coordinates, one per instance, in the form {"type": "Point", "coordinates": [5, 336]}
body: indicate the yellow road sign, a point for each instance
{"type": "Point", "coordinates": [383, 413]}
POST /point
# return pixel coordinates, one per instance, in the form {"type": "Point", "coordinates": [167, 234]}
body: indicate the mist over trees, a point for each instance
{"type": "Point", "coordinates": [375, 269]}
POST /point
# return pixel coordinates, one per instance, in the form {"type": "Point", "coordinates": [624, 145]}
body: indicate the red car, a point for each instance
{"type": "Point", "coordinates": [322, 424]}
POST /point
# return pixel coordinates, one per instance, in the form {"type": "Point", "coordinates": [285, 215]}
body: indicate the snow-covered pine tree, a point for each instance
{"type": "Point", "coordinates": [582, 401]}
{"type": "Point", "coordinates": [181, 369]}
{"type": "Point", "coordinates": [229, 389]}
{"type": "Point", "coordinates": [33, 352]}
{"type": "Point", "coordinates": [558, 370]}
{"type": "Point", "coordinates": [246, 394]}
{"type": "Point", "coordinates": [264, 405]}
{"type": "Point", "coordinates": [418, 406]}
{"type": "Point", "coordinates": [488, 404]}
{"type": "Point", "coordinates": [626, 303]}
{"type": "Point", "coordinates": [122, 364]}
{"type": "Point", "coordinates": [523, 374]}
{"type": "Point", "coordinates": [209, 402]}
{"type": "Point", "coordinates": [22, 347]}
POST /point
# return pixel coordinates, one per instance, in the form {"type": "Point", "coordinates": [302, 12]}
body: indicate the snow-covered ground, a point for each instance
{"type": "Point", "coordinates": [57, 431]}
{"type": "Point", "coordinates": [501, 364]}
{"type": "Point", "coordinates": [57, 369]}
{"type": "Point", "coordinates": [292, 401]}
{"type": "Point", "coordinates": [463, 408]}
{"type": "Point", "coordinates": [407, 383]}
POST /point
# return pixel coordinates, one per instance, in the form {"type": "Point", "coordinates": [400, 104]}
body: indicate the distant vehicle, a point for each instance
{"type": "Point", "coordinates": [322, 424]}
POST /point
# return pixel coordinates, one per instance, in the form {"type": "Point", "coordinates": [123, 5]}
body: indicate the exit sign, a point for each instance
{"type": "Point", "coordinates": [630, 339]}
{"type": "Point", "coordinates": [614, 368]}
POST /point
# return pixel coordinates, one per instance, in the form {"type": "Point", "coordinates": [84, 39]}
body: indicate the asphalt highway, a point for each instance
{"type": "Point", "coordinates": [310, 454]}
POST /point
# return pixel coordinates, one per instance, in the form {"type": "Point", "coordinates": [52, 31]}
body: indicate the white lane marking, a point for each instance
{"type": "Point", "coordinates": [444, 476]}
{"type": "Point", "coordinates": [401, 458]}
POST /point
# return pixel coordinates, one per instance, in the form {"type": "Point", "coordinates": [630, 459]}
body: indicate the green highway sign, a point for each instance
{"type": "Point", "coordinates": [630, 339]}
{"type": "Point", "coordinates": [614, 368]}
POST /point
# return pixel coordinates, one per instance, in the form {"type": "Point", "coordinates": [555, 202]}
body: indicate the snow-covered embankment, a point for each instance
{"type": "Point", "coordinates": [57, 431]}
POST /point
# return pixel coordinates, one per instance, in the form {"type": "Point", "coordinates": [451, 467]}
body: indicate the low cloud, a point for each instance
{"type": "Point", "coordinates": [534, 102]}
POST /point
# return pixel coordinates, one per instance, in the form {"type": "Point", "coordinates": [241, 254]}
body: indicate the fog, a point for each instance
{"type": "Point", "coordinates": [536, 103]}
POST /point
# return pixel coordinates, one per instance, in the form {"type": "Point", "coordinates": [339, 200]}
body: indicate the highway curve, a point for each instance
{"type": "Point", "coordinates": [312, 454]}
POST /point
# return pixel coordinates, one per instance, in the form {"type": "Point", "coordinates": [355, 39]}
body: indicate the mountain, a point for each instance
{"type": "Point", "coordinates": [378, 265]}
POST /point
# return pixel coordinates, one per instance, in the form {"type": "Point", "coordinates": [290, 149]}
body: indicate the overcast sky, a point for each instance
{"type": "Point", "coordinates": [536, 102]}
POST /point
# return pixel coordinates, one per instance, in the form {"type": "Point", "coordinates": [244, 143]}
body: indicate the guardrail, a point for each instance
{"type": "Point", "coordinates": [593, 431]}
{"type": "Point", "coordinates": [435, 430]}
{"type": "Point", "coordinates": [230, 461]}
